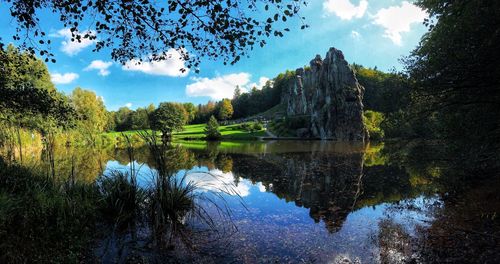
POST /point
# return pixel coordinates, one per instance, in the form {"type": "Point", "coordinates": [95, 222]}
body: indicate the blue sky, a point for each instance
{"type": "Point", "coordinates": [369, 32]}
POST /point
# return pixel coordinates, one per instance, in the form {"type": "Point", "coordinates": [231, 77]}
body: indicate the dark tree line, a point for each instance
{"type": "Point", "coordinates": [384, 92]}
{"type": "Point", "coordinates": [257, 101]}
{"type": "Point", "coordinates": [457, 77]}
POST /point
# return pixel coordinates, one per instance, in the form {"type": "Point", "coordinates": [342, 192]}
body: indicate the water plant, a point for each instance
{"type": "Point", "coordinates": [121, 199]}
{"type": "Point", "coordinates": [174, 200]}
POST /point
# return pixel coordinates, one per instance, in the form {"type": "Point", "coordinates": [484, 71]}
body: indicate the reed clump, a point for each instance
{"type": "Point", "coordinates": [58, 219]}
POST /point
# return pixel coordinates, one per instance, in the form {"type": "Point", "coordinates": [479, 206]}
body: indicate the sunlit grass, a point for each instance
{"type": "Point", "coordinates": [194, 132]}
{"type": "Point", "coordinates": [228, 132]}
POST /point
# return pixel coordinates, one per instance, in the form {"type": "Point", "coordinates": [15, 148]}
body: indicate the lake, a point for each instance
{"type": "Point", "coordinates": [308, 202]}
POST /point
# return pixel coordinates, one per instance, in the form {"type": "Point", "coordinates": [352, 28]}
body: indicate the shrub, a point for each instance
{"type": "Point", "coordinates": [372, 121]}
{"type": "Point", "coordinates": [257, 126]}
{"type": "Point", "coordinates": [212, 129]}
{"type": "Point", "coordinates": [246, 126]}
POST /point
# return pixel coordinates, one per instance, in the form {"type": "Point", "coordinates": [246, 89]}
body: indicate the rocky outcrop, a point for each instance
{"type": "Point", "coordinates": [329, 96]}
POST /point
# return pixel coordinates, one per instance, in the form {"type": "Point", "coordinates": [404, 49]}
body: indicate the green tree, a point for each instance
{"type": "Point", "coordinates": [110, 123]}
{"type": "Point", "coordinates": [384, 92]}
{"type": "Point", "coordinates": [457, 75]}
{"type": "Point", "coordinates": [92, 118]}
{"type": "Point", "coordinates": [372, 121]}
{"type": "Point", "coordinates": [27, 91]}
{"type": "Point", "coordinates": [29, 100]}
{"type": "Point", "coordinates": [212, 129]}
{"type": "Point", "coordinates": [258, 101]}
{"type": "Point", "coordinates": [139, 119]}
{"type": "Point", "coordinates": [190, 110]}
{"type": "Point", "coordinates": [167, 118]}
{"type": "Point", "coordinates": [204, 112]}
{"type": "Point", "coordinates": [122, 119]}
{"type": "Point", "coordinates": [150, 108]}
{"type": "Point", "coordinates": [225, 109]}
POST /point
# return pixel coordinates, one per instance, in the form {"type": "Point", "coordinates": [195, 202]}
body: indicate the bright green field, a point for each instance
{"type": "Point", "coordinates": [228, 132]}
{"type": "Point", "coordinates": [198, 132]}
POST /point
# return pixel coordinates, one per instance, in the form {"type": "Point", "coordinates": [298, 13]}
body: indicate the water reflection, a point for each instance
{"type": "Point", "coordinates": [313, 201]}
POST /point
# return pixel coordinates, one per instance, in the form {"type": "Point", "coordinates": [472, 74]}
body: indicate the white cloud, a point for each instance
{"type": "Point", "coordinates": [261, 187]}
{"type": "Point", "coordinates": [72, 47]}
{"type": "Point", "coordinates": [262, 82]}
{"type": "Point", "coordinates": [218, 181]}
{"type": "Point", "coordinates": [219, 87]}
{"type": "Point", "coordinates": [128, 105]}
{"type": "Point", "coordinates": [355, 34]}
{"type": "Point", "coordinates": [65, 78]}
{"type": "Point", "coordinates": [345, 9]}
{"type": "Point", "coordinates": [222, 87]}
{"type": "Point", "coordinates": [169, 67]}
{"type": "Point", "coordinates": [101, 66]}
{"type": "Point", "coordinates": [398, 19]}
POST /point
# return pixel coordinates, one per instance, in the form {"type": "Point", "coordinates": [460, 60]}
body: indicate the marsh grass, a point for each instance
{"type": "Point", "coordinates": [174, 201]}
{"type": "Point", "coordinates": [58, 219]}
{"type": "Point", "coordinates": [43, 220]}
{"type": "Point", "coordinates": [178, 207]}
{"type": "Point", "coordinates": [121, 200]}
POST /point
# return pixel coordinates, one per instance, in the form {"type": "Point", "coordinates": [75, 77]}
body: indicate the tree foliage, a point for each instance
{"type": "Point", "coordinates": [257, 101]}
{"type": "Point", "coordinates": [90, 109]}
{"type": "Point", "coordinates": [225, 109]}
{"type": "Point", "coordinates": [384, 92]}
{"type": "Point", "coordinates": [212, 129]}
{"type": "Point", "coordinates": [145, 29]}
{"type": "Point", "coordinates": [27, 93]}
{"type": "Point", "coordinates": [372, 121]}
{"type": "Point", "coordinates": [190, 110]}
{"type": "Point", "coordinates": [457, 75]}
{"type": "Point", "coordinates": [167, 118]}
{"type": "Point", "coordinates": [204, 111]}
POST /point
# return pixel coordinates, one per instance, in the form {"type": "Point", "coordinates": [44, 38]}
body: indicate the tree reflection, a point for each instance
{"type": "Point", "coordinates": [334, 181]}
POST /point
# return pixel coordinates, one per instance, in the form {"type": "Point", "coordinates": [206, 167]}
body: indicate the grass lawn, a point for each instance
{"type": "Point", "coordinates": [198, 131]}
{"type": "Point", "coordinates": [228, 132]}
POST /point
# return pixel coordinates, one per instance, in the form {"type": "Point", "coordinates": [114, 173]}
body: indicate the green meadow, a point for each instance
{"type": "Point", "coordinates": [197, 132]}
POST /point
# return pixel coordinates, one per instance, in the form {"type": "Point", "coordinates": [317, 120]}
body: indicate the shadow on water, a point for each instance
{"type": "Point", "coordinates": [319, 202]}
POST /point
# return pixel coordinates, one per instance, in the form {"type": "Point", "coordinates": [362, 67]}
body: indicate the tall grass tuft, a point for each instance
{"type": "Point", "coordinates": [121, 200]}
{"type": "Point", "coordinates": [174, 200]}
{"type": "Point", "coordinates": [170, 200]}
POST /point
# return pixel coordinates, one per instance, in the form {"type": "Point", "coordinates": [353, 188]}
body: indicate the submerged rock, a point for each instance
{"type": "Point", "coordinates": [329, 96]}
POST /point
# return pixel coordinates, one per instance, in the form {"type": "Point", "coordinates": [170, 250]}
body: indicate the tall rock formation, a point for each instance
{"type": "Point", "coordinates": [329, 96]}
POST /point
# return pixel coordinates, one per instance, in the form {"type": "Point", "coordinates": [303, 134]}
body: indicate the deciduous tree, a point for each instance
{"type": "Point", "coordinates": [167, 118]}
{"type": "Point", "coordinates": [145, 29]}
{"type": "Point", "coordinates": [225, 109]}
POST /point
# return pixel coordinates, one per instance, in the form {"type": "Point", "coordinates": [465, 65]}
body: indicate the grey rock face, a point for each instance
{"type": "Point", "coordinates": [328, 94]}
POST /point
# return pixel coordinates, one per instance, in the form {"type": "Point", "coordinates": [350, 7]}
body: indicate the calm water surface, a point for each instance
{"type": "Point", "coordinates": [319, 202]}
{"type": "Point", "coordinates": [306, 202]}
